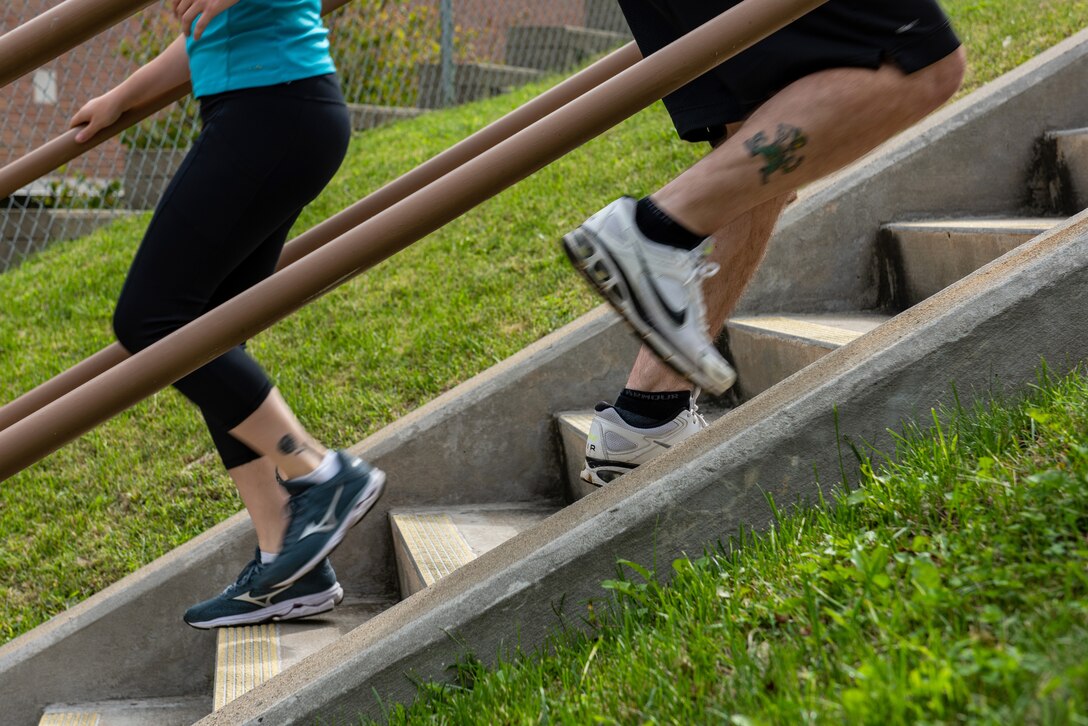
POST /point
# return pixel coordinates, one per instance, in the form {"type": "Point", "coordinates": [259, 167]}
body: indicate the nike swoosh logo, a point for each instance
{"type": "Point", "coordinates": [263, 600]}
{"type": "Point", "coordinates": [326, 523]}
{"type": "Point", "coordinates": [677, 317]}
{"type": "Point", "coordinates": [907, 28]}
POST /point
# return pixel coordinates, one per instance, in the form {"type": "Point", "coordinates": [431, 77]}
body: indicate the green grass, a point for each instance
{"type": "Point", "coordinates": [950, 587]}
{"type": "Point", "coordinates": [431, 317]}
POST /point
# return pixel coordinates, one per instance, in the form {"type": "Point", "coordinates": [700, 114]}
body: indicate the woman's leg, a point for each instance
{"type": "Point", "coordinates": [224, 218]}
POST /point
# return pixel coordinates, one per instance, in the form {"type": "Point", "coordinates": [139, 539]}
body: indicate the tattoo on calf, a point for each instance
{"type": "Point", "coordinates": [780, 154]}
{"type": "Point", "coordinates": [288, 445]}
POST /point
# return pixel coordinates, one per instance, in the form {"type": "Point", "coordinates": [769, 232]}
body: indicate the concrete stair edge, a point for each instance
{"type": "Point", "coordinates": [767, 349]}
{"type": "Point", "coordinates": [166, 711]}
{"type": "Point", "coordinates": [432, 542]}
{"type": "Point", "coordinates": [919, 258]}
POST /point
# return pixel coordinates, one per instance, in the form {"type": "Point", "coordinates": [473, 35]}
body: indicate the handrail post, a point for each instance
{"type": "Point", "coordinates": [447, 70]}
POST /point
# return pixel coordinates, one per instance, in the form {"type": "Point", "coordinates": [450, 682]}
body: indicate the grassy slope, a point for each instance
{"type": "Point", "coordinates": [951, 587]}
{"type": "Point", "coordinates": [431, 317]}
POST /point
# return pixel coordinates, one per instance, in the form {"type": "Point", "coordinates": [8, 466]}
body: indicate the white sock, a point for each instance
{"type": "Point", "coordinates": [327, 469]}
{"type": "Point", "coordinates": [267, 557]}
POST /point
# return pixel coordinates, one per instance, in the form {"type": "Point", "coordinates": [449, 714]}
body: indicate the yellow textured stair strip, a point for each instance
{"type": "Point", "coordinates": [436, 545]}
{"type": "Point", "coordinates": [802, 329]}
{"type": "Point", "coordinates": [246, 657]}
{"type": "Point", "coordinates": [69, 719]}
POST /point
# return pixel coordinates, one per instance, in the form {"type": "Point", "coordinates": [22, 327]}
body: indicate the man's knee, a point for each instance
{"type": "Point", "coordinates": [941, 80]}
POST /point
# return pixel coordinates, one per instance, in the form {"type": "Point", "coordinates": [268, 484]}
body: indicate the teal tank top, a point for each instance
{"type": "Point", "coordinates": [259, 43]}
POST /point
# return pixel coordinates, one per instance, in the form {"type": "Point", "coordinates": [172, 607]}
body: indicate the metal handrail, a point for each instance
{"type": "Point", "coordinates": [442, 201]}
{"type": "Point", "coordinates": [359, 212]}
{"type": "Point", "coordinates": [57, 31]}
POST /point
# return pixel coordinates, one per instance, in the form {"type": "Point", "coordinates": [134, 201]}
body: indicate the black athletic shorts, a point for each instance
{"type": "Point", "coordinates": [912, 34]}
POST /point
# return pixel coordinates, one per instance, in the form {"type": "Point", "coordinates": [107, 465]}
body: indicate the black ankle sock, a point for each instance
{"type": "Point", "coordinates": [662, 228]}
{"type": "Point", "coordinates": [646, 409]}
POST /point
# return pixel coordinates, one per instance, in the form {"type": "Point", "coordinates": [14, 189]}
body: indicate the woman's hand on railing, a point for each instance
{"type": "Point", "coordinates": [97, 114]}
{"type": "Point", "coordinates": [187, 11]}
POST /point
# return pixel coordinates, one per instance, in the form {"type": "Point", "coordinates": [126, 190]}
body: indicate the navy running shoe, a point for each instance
{"type": "Point", "coordinates": [250, 599]}
{"type": "Point", "coordinates": [321, 514]}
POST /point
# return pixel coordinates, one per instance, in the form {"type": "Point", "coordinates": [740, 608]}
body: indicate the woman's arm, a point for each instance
{"type": "Point", "coordinates": [167, 70]}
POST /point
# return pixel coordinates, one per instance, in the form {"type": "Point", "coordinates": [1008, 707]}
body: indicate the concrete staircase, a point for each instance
{"type": "Point", "coordinates": [480, 535]}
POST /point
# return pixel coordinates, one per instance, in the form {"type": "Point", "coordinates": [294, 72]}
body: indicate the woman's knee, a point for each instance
{"type": "Point", "coordinates": [131, 326]}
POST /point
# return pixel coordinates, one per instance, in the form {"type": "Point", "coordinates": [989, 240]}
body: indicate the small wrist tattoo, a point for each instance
{"type": "Point", "coordinates": [780, 154]}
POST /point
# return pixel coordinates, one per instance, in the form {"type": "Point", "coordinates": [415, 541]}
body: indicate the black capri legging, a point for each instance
{"type": "Point", "coordinates": [262, 155]}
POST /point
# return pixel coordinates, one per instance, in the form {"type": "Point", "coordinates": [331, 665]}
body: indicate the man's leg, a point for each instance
{"type": "Point", "coordinates": [742, 243]}
{"type": "Point", "coordinates": [735, 194]}
{"type": "Point", "coordinates": [738, 188]}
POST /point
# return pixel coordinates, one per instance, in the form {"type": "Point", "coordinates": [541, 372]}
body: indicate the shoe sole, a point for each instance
{"type": "Point", "coordinates": [366, 499]}
{"type": "Point", "coordinates": [299, 607]}
{"type": "Point", "coordinates": [591, 474]}
{"type": "Point", "coordinates": [613, 287]}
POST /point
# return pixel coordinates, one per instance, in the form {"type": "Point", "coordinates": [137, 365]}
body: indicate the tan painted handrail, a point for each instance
{"type": "Point", "coordinates": [57, 31]}
{"type": "Point", "coordinates": [359, 212]}
{"type": "Point", "coordinates": [185, 350]}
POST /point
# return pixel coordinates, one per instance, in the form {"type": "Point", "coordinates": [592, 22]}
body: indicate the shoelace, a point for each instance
{"type": "Point", "coordinates": [695, 407]}
{"type": "Point", "coordinates": [246, 575]}
{"type": "Point", "coordinates": [702, 271]}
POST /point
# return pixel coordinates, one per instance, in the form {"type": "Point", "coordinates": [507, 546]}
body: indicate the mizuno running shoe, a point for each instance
{"type": "Point", "coordinates": [321, 514]}
{"type": "Point", "coordinates": [250, 599]}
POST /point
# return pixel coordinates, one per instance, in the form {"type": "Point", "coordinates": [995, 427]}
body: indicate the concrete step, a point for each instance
{"type": "Point", "coordinates": [767, 349]}
{"type": "Point", "coordinates": [557, 47]}
{"type": "Point", "coordinates": [1071, 148]}
{"type": "Point", "coordinates": [472, 81]}
{"type": "Point", "coordinates": [368, 116]}
{"type": "Point", "coordinates": [247, 656]}
{"type": "Point", "coordinates": [574, 430]}
{"type": "Point", "coordinates": [925, 257]}
{"type": "Point", "coordinates": [432, 542]}
{"type": "Point", "coordinates": [144, 712]}
{"type": "Point", "coordinates": [606, 15]}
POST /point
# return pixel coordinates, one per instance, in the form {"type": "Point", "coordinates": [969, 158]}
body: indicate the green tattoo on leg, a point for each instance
{"type": "Point", "coordinates": [780, 154]}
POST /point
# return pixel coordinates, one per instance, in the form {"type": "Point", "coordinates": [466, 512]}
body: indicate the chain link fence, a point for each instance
{"type": "Point", "coordinates": [396, 58]}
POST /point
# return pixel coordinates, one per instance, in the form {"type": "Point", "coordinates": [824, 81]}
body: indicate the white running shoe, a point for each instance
{"type": "Point", "coordinates": [657, 288]}
{"type": "Point", "coordinates": [615, 447]}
